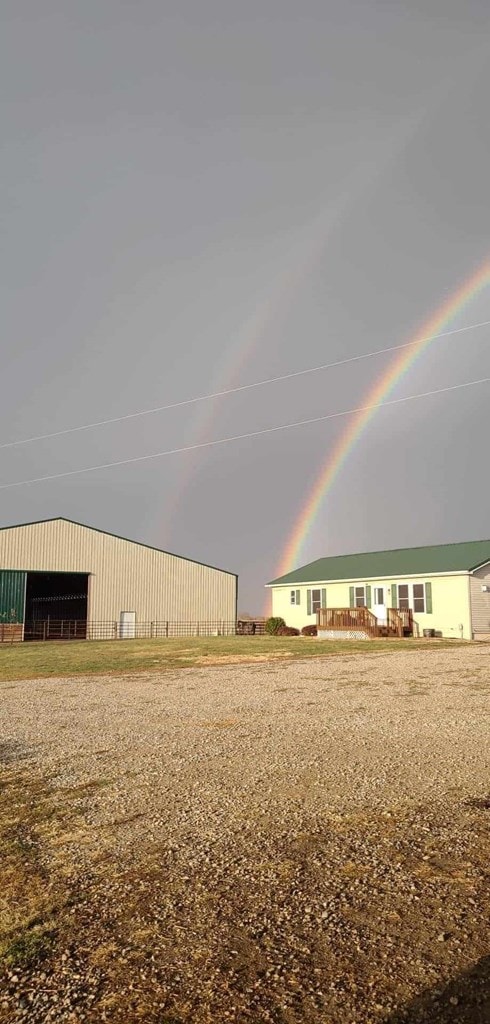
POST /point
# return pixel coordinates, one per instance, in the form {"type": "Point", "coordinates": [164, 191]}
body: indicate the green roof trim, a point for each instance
{"type": "Point", "coordinates": [438, 558]}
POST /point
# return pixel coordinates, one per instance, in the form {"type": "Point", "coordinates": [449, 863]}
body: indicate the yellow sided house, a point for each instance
{"type": "Point", "coordinates": [442, 590]}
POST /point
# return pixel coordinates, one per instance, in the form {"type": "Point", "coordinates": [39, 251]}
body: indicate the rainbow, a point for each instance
{"type": "Point", "coordinates": [291, 555]}
{"type": "Point", "coordinates": [265, 321]}
{"type": "Point", "coordinates": [306, 248]}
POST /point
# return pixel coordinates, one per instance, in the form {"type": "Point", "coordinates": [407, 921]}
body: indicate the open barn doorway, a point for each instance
{"type": "Point", "coordinates": [56, 606]}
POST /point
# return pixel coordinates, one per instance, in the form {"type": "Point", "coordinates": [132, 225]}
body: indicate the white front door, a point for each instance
{"type": "Point", "coordinates": [379, 604]}
{"type": "Point", "coordinates": [127, 625]}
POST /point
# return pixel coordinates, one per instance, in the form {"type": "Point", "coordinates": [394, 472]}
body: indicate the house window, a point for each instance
{"type": "Point", "coordinates": [418, 597]}
{"type": "Point", "coordinates": [359, 597]}
{"type": "Point", "coordinates": [316, 599]}
{"type": "Point", "coordinates": [403, 597]}
{"type": "Point", "coordinates": [379, 597]}
{"type": "Point", "coordinates": [295, 597]}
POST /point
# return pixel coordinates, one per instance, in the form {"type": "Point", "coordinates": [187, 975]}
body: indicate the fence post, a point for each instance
{"type": "Point", "coordinates": [166, 629]}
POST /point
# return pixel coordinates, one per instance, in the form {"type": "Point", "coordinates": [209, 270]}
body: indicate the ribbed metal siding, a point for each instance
{"type": "Point", "coordinates": [12, 596]}
{"type": "Point", "coordinates": [480, 601]}
{"type": "Point", "coordinates": [124, 576]}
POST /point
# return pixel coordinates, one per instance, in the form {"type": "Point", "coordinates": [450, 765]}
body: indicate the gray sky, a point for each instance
{"type": "Point", "coordinates": [199, 195]}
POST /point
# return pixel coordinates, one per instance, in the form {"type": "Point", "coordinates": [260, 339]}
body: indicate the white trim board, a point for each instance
{"type": "Point", "coordinates": [379, 578]}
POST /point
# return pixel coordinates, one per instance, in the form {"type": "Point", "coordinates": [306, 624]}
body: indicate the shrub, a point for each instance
{"type": "Point", "coordinates": [274, 624]}
{"type": "Point", "coordinates": [309, 631]}
{"type": "Point", "coordinates": [287, 631]}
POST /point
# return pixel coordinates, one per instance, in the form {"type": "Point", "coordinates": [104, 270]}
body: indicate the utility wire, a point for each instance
{"type": "Point", "coordinates": [241, 387]}
{"type": "Point", "coordinates": [241, 437]}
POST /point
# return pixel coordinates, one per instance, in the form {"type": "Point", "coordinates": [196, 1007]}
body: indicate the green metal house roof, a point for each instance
{"type": "Point", "coordinates": [400, 562]}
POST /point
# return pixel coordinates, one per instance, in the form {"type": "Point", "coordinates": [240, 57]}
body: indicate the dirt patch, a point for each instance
{"type": "Point", "coordinates": [242, 659]}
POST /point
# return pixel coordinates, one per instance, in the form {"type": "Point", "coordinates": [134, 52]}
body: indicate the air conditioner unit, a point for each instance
{"type": "Point", "coordinates": [485, 588]}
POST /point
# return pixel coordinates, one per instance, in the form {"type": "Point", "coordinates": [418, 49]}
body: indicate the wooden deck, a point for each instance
{"type": "Point", "coordinates": [398, 622]}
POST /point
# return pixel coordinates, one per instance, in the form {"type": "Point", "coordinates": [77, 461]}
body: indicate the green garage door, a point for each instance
{"type": "Point", "coordinates": [12, 595]}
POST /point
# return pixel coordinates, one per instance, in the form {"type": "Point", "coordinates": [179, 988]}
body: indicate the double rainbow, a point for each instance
{"type": "Point", "coordinates": [292, 552]}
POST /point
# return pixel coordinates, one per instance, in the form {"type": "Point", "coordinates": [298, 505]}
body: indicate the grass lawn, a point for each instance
{"type": "Point", "coordinates": [90, 657]}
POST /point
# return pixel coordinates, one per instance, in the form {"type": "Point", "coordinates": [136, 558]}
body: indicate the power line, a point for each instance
{"type": "Point", "coordinates": [241, 387]}
{"type": "Point", "coordinates": [242, 437]}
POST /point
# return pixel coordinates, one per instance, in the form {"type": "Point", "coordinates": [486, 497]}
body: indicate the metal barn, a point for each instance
{"type": "Point", "coordinates": [61, 580]}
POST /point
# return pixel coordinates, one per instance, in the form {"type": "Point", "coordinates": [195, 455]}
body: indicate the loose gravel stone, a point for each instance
{"type": "Point", "coordinates": [283, 843]}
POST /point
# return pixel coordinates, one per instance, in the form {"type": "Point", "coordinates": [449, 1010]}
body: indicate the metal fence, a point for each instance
{"type": "Point", "coordinates": [10, 632]}
{"type": "Point", "coordinates": [79, 629]}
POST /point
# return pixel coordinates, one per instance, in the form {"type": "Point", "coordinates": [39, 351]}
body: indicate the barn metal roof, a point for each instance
{"type": "Point", "coordinates": [129, 540]}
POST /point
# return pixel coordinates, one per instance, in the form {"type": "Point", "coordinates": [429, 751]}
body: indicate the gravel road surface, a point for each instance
{"type": "Point", "coordinates": [302, 843]}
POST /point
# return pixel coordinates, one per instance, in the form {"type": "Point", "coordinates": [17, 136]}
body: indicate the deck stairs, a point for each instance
{"type": "Point", "coordinates": [398, 622]}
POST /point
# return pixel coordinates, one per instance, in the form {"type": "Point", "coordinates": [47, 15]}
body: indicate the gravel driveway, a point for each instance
{"type": "Point", "coordinates": [303, 842]}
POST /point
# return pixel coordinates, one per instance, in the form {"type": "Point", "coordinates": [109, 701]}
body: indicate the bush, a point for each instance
{"type": "Point", "coordinates": [274, 624]}
{"type": "Point", "coordinates": [287, 631]}
{"type": "Point", "coordinates": [309, 631]}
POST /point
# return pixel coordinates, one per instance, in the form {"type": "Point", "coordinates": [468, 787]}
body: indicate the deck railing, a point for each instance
{"type": "Point", "coordinates": [347, 619]}
{"type": "Point", "coordinates": [394, 622]}
{"type": "Point", "coordinates": [398, 622]}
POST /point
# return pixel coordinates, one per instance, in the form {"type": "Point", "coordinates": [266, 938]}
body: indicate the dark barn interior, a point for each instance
{"type": "Point", "coordinates": [56, 605]}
